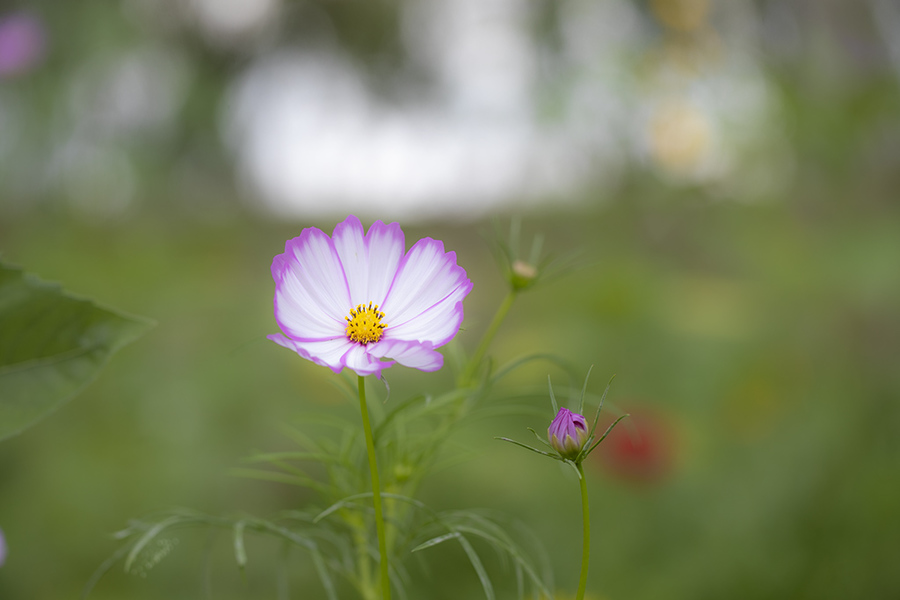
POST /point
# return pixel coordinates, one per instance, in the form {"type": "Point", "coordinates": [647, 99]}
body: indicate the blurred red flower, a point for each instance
{"type": "Point", "coordinates": [641, 449]}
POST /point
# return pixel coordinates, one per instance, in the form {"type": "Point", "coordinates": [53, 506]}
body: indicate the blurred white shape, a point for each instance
{"type": "Point", "coordinates": [225, 21]}
{"type": "Point", "coordinates": [137, 92]}
{"type": "Point", "coordinates": [481, 53]}
{"type": "Point", "coordinates": [602, 34]}
{"type": "Point", "coordinates": [887, 21]}
{"type": "Point", "coordinates": [312, 140]}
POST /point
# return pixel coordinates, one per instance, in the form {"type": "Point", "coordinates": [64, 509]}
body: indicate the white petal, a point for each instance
{"type": "Point", "coordinates": [350, 245]}
{"type": "Point", "coordinates": [311, 296]}
{"type": "Point", "coordinates": [358, 359]}
{"type": "Point", "coordinates": [298, 313]}
{"type": "Point", "coordinates": [417, 355]}
{"type": "Point", "coordinates": [327, 353]}
{"type": "Point", "coordinates": [385, 245]}
{"type": "Point", "coordinates": [424, 300]}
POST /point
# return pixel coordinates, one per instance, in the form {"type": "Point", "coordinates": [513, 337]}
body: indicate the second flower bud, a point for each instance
{"type": "Point", "coordinates": [568, 433]}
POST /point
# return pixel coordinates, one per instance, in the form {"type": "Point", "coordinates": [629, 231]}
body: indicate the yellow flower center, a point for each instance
{"type": "Point", "coordinates": [364, 324]}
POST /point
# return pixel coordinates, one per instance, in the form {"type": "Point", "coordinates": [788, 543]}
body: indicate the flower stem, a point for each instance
{"type": "Point", "coordinates": [376, 492]}
{"type": "Point", "coordinates": [476, 359]}
{"type": "Point", "coordinates": [586, 547]}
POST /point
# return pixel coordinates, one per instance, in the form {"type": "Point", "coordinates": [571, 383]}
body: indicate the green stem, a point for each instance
{"type": "Point", "coordinates": [476, 359]}
{"type": "Point", "coordinates": [361, 539]}
{"type": "Point", "coordinates": [586, 547]}
{"type": "Point", "coordinates": [376, 492]}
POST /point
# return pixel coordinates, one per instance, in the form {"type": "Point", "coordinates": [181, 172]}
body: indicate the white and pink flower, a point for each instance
{"type": "Point", "coordinates": [358, 300]}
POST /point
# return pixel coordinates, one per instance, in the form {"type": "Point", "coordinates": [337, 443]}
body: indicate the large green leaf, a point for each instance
{"type": "Point", "coordinates": [52, 345]}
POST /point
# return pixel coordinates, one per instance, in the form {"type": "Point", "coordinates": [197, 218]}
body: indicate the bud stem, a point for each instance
{"type": "Point", "coordinates": [376, 492]}
{"type": "Point", "coordinates": [586, 547]}
{"type": "Point", "coordinates": [476, 359]}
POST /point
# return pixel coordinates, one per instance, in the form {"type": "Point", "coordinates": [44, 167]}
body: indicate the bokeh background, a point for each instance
{"type": "Point", "coordinates": [727, 173]}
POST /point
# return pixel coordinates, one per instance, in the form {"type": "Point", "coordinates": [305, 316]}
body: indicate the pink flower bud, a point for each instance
{"type": "Point", "coordinates": [568, 433]}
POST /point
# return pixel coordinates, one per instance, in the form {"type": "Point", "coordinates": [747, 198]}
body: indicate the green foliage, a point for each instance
{"type": "Point", "coordinates": [330, 466]}
{"type": "Point", "coordinates": [52, 344]}
{"type": "Point", "coordinates": [141, 534]}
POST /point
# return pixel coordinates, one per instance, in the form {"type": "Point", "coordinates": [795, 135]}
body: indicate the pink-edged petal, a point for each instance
{"type": "Point", "coordinates": [385, 245]}
{"type": "Point", "coordinates": [350, 244]}
{"type": "Point", "coordinates": [327, 353]}
{"type": "Point", "coordinates": [320, 278]}
{"type": "Point", "coordinates": [423, 302]}
{"type": "Point", "coordinates": [409, 353]}
{"type": "Point", "coordinates": [298, 314]}
{"type": "Point", "coordinates": [359, 360]}
{"type": "Point", "coordinates": [439, 324]}
{"type": "Point", "coordinates": [311, 294]}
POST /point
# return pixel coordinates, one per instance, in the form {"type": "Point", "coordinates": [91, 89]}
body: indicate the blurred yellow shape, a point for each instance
{"type": "Point", "coordinates": [710, 307]}
{"type": "Point", "coordinates": [681, 15]}
{"type": "Point", "coordinates": [691, 55]}
{"type": "Point", "coordinates": [751, 408]}
{"type": "Point", "coordinates": [680, 136]}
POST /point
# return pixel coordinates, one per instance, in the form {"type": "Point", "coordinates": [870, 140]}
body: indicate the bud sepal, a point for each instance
{"type": "Point", "coordinates": [568, 438]}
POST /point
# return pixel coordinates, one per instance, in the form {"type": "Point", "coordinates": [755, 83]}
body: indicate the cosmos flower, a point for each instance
{"type": "Point", "coordinates": [356, 300]}
{"type": "Point", "coordinates": [568, 433]}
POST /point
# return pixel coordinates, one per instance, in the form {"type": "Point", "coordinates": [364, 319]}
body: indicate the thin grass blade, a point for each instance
{"type": "Point", "coordinates": [584, 390]}
{"type": "Point", "coordinates": [600, 405]}
{"type": "Point", "coordinates": [148, 537]}
{"type": "Point", "coordinates": [603, 437]}
{"type": "Point", "coordinates": [552, 397]}
{"type": "Point", "coordinates": [436, 540]}
{"type": "Point", "coordinates": [479, 568]}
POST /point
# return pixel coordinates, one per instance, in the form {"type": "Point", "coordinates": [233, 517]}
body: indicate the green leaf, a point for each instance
{"type": "Point", "coordinates": [527, 447]}
{"type": "Point", "coordinates": [479, 567]}
{"type": "Point", "coordinates": [603, 437]}
{"type": "Point", "coordinates": [600, 405]}
{"type": "Point", "coordinates": [435, 541]}
{"type": "Point", "coordinates": [539, 438]}
{"type": "Point", "coordinates": [149, 536]}
{"type": "Point", "coordinates": [52, 344]}
{"type": "Point", "coordinates": [297, 478]}
{"type": "Point", "coordinates": [552, 397]}
{"type": "Point", "coordinates": [584, 390]}
{"type": "Point", "coordinates": [240, 553]}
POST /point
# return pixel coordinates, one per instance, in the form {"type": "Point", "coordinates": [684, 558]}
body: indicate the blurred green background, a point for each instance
{"type": "Point", "coordinates": [727, 172]}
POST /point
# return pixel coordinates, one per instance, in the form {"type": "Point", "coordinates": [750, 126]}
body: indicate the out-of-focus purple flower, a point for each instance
{"type": "Point", "coordinates": [353, 299]}
{"type": "Point", "coordinates": [22, 43]}
{"type": "Point", "coordinates": [568, 433]}
{"type": "Point", "coordinates": [2, 548]}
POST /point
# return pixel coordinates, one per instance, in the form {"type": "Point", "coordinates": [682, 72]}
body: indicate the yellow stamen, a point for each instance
{"type": "Point", "coordinates": [364, 324]}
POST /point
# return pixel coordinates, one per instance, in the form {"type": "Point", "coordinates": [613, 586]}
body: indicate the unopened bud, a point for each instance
{"type": "Point", "coordinates": [568, 433]}
{"type": "Point", "coordinates": [523, 274]}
